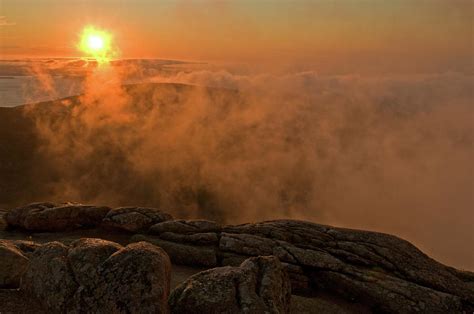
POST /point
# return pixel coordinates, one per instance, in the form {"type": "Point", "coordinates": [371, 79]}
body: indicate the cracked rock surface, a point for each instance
{"type": "Point", "coordinates": [258, 285]}
{"type": "Point", "coordinates": [383, 271]}
{"type": "Point", "coordinates": [55, 217]}
{"type": "Point", "coordinates": [379, 271]}
{"type": "Point", "coordinates": [98, 276]}
{"type": "Point", "coordinates": [134, 219]}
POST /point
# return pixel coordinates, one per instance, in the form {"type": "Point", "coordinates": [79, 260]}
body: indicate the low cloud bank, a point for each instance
{"type": "Point", "coordinates": [392, 154]}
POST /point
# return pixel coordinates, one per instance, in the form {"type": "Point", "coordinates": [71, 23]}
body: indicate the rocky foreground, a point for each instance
{"type": "Point", "coordinates": [251, 268]}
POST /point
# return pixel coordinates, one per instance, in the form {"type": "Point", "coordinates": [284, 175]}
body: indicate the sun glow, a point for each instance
{"type": "Point", "coordinates": [97, 43]}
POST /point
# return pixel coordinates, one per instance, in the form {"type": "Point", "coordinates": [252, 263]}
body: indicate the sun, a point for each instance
{"type": "Point", "coordinates": [96, 43]}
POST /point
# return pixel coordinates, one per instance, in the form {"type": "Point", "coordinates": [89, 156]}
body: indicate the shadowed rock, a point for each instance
{"type": "Point", "coordinates": [98, 276]}
{"type": "Point", "coordinates": [380, 270]}
{"type": "Point", "coordinates": [16, 217]}
{"type": "Point", "coordinates": [183, 254]}
{"type": "Point", "coordinates": [208, 238]}
{"type": "Point", "coordinates": [85, 256]}
{"type": "Point", "coordinates": [193, 232]}
{"type": "Point", "coordinates": [134, 219]}
{"type": "Point", "coordinates": [13, 264]}
{"type": "Point", "coordinates": [26, 247]}
{"type": "Point", "coordinates": [300, 283]}
{"type": "Point", "coordinates": [3, 221]}
{"type": "Point", "coordinates": [136, 279]}
{"type": "Point", "coordinates": [185, 227]}
{"type": "Point", "coordinates": [14, 259]}
{"type": "Point", "coordinates": [49, 277]}
{"type": "Point", "coordinates": [55, 217]}
{"type": "Point", "coordinates": [259, 285]}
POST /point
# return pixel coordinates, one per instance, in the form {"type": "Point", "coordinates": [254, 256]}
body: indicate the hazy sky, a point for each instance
{"type": "Point", "coordinates": [408, 35]}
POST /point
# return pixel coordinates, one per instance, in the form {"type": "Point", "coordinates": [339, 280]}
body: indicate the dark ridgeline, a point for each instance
{"type": "Point", "coordinates": [40, 157]}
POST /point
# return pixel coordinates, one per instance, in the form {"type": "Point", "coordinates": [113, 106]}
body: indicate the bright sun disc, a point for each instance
{"type": "Point", "coordinates": [96, 43]}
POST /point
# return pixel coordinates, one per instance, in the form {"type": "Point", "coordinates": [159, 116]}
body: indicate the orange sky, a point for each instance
{"type": "Point", "coordinates": [424, 35]}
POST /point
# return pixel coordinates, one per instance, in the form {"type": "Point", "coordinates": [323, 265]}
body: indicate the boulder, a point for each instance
{"type": "Point", "coordinates": [85, 256]}
{"type": "Point", "coordinates": [56, 217]}
{"type": "Point", "coordinates": [16, 217]}
{"type": "Point", "coordinates": [98, 276]}
{"type": "Point", "coordinates": [13, 264]}
{"type": "Point", "coordinates": [259, 285]}
{"type": "Point", "coordinates": [49, 277]}
{"type": "Point", "coordinates": [134, 219]}
{"type": "Point", "coordinates": [135, 279]}
{"type": "Point", "coordinates": [300, 283]}
{"type": "Point", "coordinates": [183, 254]}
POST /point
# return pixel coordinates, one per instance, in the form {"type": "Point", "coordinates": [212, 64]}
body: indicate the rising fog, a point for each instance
{"type": "Point", "coordinates": [386, 153]}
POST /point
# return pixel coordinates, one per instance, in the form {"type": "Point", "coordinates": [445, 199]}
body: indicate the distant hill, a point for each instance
{"type": "Point", "coordinates": [31, 169]}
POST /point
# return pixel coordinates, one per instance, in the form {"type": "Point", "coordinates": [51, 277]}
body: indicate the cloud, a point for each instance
{"type": "Point", "coordinates": [4, 22]}
{"type": "Point", "coordinates": [379, 153]}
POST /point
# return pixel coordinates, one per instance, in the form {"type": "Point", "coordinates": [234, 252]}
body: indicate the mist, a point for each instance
{"type": "Point", "coordinates": [385, 153]}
